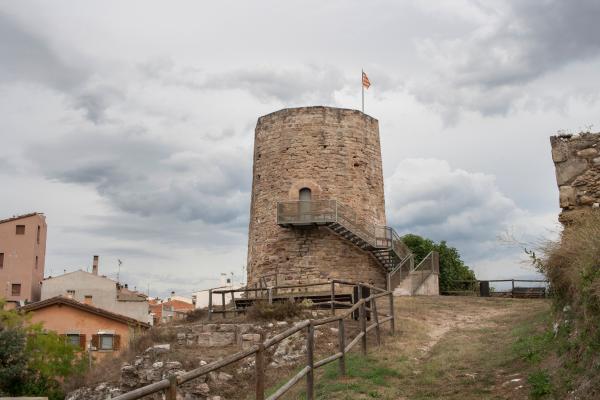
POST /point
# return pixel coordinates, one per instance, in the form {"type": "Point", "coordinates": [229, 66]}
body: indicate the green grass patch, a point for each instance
{"type": "Point", "coordinates": [541, 384]}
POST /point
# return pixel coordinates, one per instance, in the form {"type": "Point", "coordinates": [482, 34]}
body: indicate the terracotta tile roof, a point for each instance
{"type": "Point", "coordinates": [20, 217]}
{"type": "Point", "coordinates": [85, 307]}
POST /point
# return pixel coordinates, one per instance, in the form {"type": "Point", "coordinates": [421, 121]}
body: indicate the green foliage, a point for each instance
{"type": "Point", "coordinates": [33, 362]}
{"type": "Point", "coordinates": [452, 268]}
{"type": "Point", "coordinates": [541, 384]}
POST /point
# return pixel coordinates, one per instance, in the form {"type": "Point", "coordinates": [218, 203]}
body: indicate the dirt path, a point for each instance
{"type": "Point", "coordinates": [446, 348]}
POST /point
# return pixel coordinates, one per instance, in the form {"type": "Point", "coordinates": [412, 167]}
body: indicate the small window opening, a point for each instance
{"type": "Point", "coordinates": [16, 289]}
{"type": "Point", "coordinates": [73, 339]}
{"type": "Point", "coordinates": [70, 293]}
{"type": "Point", "coordinates": [87, 299]}
{"type": "Point", "coordinates": [20, 230]}
{"type": "Point", "coordinates": [38, 235]}
{"type": "Point", "coordinates": [1, 260]}
{"type": "Point", "coordinates": [36, 262]}
{"type": "Point", "coordinates": [106, 342]}
{"type": "Point", "coordinates": [305, 194]}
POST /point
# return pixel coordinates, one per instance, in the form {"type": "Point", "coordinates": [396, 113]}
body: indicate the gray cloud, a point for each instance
{"type": "Point", "coordinates": [428, 197]}
{"type": "Point", "coordinates": [148, 177]}
{"type": "Point", "coordinates": [520, 43]}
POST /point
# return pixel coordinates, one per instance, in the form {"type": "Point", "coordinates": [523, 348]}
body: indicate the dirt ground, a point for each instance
{"type": "Point", "coordinates": [444, 348]}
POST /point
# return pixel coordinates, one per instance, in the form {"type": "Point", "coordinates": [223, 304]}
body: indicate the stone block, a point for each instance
{"type": "Point", "coordinates": [588, 153]}
{"type": "Point", "coordinates": [567, 196]}
{"type": "Point", "coordinates": [570, 169]}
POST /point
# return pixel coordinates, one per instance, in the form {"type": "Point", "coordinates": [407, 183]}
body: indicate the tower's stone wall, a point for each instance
{"type": "Point", "coordinates": [334, 152]}
{"type": "Point", "coordinates": [577, 162]}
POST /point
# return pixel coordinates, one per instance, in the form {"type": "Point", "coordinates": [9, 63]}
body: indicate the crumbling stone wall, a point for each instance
{"type": "Point", "coordinates": [334, 152]}
{"type": "Point", "coordinates": [577, 163]}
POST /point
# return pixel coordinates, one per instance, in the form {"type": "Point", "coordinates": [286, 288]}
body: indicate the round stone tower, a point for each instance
{"type": "Point", "coordinates": [321, 163]}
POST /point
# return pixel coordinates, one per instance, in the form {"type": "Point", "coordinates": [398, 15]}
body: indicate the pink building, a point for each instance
{"type": "Point", "coordinates": [22, 257]}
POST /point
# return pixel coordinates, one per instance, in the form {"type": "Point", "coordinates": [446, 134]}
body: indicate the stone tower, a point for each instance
{"type": "Point", "coordinates": [317, 202]}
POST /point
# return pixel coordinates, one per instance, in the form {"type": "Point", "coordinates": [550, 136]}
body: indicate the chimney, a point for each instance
{"type": "Point", "coordinates": [95, 266]}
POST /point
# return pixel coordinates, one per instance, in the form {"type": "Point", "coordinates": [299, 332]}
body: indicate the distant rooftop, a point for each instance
{"type": "Point", "coordinates": [15, 217]}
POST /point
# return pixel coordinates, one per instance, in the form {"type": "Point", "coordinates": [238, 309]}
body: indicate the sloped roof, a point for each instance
{"type": "Point", "coordinates": [20, 217]}
{"type": "Point", "coordinates": [84, 307]}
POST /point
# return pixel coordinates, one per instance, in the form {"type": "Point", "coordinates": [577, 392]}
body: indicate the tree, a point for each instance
{"type": "Point", "coordinates": [33, 361]}
{"type": "Point", "coordinates": [452, 268]}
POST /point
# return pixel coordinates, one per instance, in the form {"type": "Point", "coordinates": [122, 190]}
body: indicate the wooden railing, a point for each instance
{"type": "Point", "coordinates": [363, 306]}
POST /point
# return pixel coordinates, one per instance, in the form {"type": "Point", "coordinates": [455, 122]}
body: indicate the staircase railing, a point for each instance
{"type": "Point", "coordinates": [401, 271]}
{"type": "Point", "coordinates": [428, 266]}
{"type": "Point", "coordinates": [332, 211]}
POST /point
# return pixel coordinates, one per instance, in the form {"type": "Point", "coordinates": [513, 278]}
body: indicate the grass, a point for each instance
{"type": "Point", "coordinates": [484, 349]}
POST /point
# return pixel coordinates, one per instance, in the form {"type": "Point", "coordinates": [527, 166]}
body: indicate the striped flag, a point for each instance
{"type": "Point", "coordinates": [365, 80]}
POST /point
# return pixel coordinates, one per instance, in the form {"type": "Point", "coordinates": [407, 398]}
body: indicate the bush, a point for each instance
{"type": "Point", "coordinates": [262, 310]}
{"type": "Point", "coordinates": [196, 315]}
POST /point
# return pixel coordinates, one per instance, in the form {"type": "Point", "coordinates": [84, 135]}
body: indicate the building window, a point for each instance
{"type": "Point", "coordinates": [1, 260]}
{"type": "Point", "coordinates": [20, 230]}
{"type": "Point", "coordinates": [106, 342]}
{"type": "Point", "coordinates": [73, 339]}
{"type": "Point", "coordinates": [70, 293]}
{"type": "Point", "coordinates": [305, 194]}
{"type": "Point", "coordinates": [36, 262]}
{"type": "Point", "coordinates": [38, 235]}
{"type": "Point", "coordinates": [87, 299]}
{"type": "Point", "coordinates": [16, 289]}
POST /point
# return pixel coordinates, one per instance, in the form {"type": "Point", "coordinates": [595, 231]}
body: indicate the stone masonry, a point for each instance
{"type": "Point", "coordinates": [336, 154]}
{"type": "Point", "coordinates": [577, 162]}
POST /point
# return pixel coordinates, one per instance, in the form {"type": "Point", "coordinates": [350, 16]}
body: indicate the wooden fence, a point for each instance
{"type": "Point", "coordinates": [363, 306]}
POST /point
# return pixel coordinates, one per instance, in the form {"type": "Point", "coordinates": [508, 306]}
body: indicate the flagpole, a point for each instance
{"type": "Point", "coordinates": [362, 72]}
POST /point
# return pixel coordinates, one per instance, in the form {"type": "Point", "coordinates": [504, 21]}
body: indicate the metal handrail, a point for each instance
{"type": "Point", "coordinates": [332, 211]}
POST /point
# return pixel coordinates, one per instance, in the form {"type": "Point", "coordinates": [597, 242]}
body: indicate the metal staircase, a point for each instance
{"type": "Point", "coordinates": [381, 241]}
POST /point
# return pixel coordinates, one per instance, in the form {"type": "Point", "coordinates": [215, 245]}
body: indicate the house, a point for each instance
{"type": "Point", "coordinates": [200, 297]}
{"type": "Point", "coordinates": [174, 308]}
{"type": "Point", "coordinates": [22, 257]}
{"type": "Point", "coordinates": [98, 291]}
{"type": "Point", "coordinates": [86, 326]}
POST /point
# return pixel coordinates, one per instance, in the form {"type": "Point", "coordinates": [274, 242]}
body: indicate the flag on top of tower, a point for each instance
{"type": "Point", "coordinates": [365, 80]}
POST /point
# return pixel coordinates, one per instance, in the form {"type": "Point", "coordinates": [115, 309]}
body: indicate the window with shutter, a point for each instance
{"type": "Point", "coordinates": [73, 339]}
{"type": "Point", "coordinates": [82, 342]}
{"type": "Point", "coordinates": [96, 341]}
{"type": "Point", "coordinates": [116, 342]}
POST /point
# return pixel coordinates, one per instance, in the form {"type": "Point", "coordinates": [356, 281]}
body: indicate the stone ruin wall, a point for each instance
{"type": "Point", "coordinates": [577, 163]}
{"type": "Point", "coordinates": [334, 152]}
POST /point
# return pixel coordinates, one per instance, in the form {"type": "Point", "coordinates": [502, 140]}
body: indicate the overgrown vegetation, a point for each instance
{"type": "Point", "coordinates": [33, 362]}
{"type": "Point", "coordinates": [263, 311]}
{"type": "Point", "coordinates": [572, 266]}
{"type": "Point", "coordinates": [452, 267]}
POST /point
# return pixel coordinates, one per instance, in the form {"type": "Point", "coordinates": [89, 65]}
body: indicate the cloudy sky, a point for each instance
{"type": "Point", "coordinates": [130, 124]}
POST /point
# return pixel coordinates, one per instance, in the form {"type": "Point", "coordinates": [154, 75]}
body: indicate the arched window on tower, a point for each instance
{"type": "Point", "coordinates": [305, 194]}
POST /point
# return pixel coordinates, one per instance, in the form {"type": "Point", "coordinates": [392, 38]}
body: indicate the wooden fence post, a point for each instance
{"type": "Point", "coordinates": [363, 326]}
{"type": "Point", "coordinates": [376, 319]}
{"type": "Point", "coordinates": [209, 304]}
{"type": "Point", "coordinates": [223, 300]}
{"type": "Point", "coordinates": [342, 343]}
{"type": "Point", "coordinates": [172, 390]}
{"type": "Point", "coordinates": [310, 361]}
{"type": "Point", "coordinates": [393, 320]}
{"type": "Point", "coordinates": [512, 291]}
{"type": "Point", "coordinates": [270, 294]}
{"type": "Point", "coordinates": [332, 298]}
{"type": "Point", "coordinates": [260, 372]}
{"type": "Point", "coordinates": [233, 302]}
